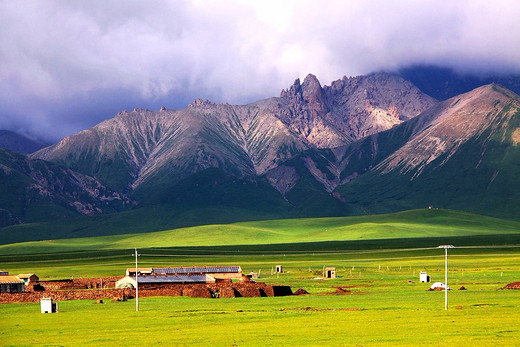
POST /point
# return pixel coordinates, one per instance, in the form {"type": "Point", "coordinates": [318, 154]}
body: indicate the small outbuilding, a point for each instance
{"type": "Point", "coordinates": [330, 272]}
{"type": "Point", "coordinates": [28, 278]}
{"type": "Point", "coordinates": [423, 277]}
{"type": "Point", "coordinates": [279, 268]}
{"type": "Point", "coordinates": [48, 306]}
{"type": "Point", "coordinates": [11, 284]}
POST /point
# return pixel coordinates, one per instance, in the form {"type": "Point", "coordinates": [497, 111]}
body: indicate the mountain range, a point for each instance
{"type": "Point", "coordinates": [366, 144]}
{"type": "Point", "coordinates": [19, 143]}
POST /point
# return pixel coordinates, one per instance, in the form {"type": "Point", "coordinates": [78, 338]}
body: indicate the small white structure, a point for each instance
{"type": "Point", "coordinates": [423, 277]}
{"type": "Point", "coordinates": [47, 306]}
{"type": "Point", "coordinates": [279, 268]}
{"type": "Point", "coordinates": [330, 272]}
{"type": "Point", "coordinates": [439, 286]}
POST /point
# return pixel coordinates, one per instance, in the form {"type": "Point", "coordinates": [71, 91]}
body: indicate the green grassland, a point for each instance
{"type": "Point", "coordinates": [375, 257]}
{"type": "Point", "coordinates": [409, 225]}
{"type": "Point", "coordinates": [383, 308]}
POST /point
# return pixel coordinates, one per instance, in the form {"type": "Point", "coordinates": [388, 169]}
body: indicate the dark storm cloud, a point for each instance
{"type": "Point", "coordinates": [67, 65]}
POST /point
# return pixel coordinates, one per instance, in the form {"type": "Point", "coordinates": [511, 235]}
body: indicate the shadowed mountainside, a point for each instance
{"type": "Point", "coordinates": [18, 143]}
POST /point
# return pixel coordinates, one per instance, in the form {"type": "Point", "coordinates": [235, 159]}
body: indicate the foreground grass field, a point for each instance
{"type": "Point", "coordinates": [382, 309]}
{"type": "Point", "coordinates": [404, 318]}
{"type": "Point", "coordinates": [376, 262]}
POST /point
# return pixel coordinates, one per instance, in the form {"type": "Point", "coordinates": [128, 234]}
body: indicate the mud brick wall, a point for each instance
{"type": "Point", "coordinates": [85, 289]}
{"type": "Point", "coordinates": [63, 295]}
{"type": "Point", "coordinates": [80, 283]}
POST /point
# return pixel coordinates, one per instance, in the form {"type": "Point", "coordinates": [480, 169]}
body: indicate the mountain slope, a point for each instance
{"type": "Point", "coordinates": [467, 157]}
{"type": "Point", "coordinates": [330, 168]}
{"type": "Point", "coordinates": [141, 150]}
{"type": "Point", "coordinates": [416, 228]}
{"type": "Point", "coordinates": [18, 143]}
{"type": "Point", "coordinates": [35, 190]}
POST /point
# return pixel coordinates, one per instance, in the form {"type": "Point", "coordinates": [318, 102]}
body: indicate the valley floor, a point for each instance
{"type": "Point", "coordinates": [382, 303]}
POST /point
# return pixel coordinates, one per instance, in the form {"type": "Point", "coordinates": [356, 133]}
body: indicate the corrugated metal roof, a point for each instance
{"type": "Point", "coordinates": [172, 279]}
{"type": "Point", "coordinates": [197, 269]}
{"type": "Point", "coordinates": [10, 279]}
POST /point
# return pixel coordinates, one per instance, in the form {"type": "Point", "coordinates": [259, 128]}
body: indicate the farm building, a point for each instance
{"type": "Point", "coordinates": [152, 281]}
{"type": "Point", "coordinates": [4, 273]}
{"type": "Point", "coordinates": [11, 284]}
{"type": "Point", "coordinates": [48, 306]}
{"type": "Point", "coordinates": [28, 278]}
{"type": "Point", "coordinates": [178, 275]}
{"type": "Point", "coordinates": [217, 272]}
{"type": "Point", "coordinates": [330, 272]}
{"type": "Point", "coordinates": [423, 277]}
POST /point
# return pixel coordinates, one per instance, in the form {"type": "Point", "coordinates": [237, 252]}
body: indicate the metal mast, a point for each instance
{"type": "Point", "coordinates": [446, 273]}
{"type": "Point", "coordinates": [136, 284]}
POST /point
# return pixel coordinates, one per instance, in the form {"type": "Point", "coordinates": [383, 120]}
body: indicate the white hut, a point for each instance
{"type": "Point", "coordinates": [330, 272]}
{"type": "Point", "coordinates": [48, 306]}
{"type": "Point", "coordinates": [423, 277]}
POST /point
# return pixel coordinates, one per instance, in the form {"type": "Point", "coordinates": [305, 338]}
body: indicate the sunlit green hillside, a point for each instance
{"type": "Point", "coordinates": [415, 224]}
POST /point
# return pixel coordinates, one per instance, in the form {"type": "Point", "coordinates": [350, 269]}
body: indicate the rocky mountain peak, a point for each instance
{"type": "Point", "coordinates": [312, 93]}
{"type": "Point", "coordinates": [292, 91]}
{"type": "Point", "coordinates": [201, 103]}
{"type": "Point", "coordinates": [309, 91]}
{"type": "Point", "coordinates": [350, 109]}
{"type": "Point", "coordinates": [134, 150]}
{"type": "Point", "coordinates": [311, 85]}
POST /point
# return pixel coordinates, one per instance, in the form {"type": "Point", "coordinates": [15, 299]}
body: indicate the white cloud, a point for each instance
{"type": "Point", "coordinates": [232, 51]}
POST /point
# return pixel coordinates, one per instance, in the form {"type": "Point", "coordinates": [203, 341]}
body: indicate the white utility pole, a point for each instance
{"type": "Point", "coordinates": [446, 273]}
{"type": "Point", "coordinates": [136, 284]}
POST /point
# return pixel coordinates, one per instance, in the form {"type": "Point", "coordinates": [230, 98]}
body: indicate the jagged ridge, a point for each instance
{"type": "Point", "coordinates": [137, 150]}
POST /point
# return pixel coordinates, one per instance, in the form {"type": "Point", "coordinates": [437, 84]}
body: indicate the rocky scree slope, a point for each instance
{"type": "Point", "coordinates": [36, 190]}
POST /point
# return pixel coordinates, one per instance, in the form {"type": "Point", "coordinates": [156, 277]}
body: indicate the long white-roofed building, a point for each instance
{"type": "Point", "coordinates": [150, 277]}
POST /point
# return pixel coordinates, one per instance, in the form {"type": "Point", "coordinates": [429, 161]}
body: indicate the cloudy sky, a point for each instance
{"type": "Point", "coordinates": [67, 65]}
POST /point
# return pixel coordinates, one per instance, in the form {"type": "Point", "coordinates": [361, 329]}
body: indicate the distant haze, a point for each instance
{"type": "Point", "coordinates": [67, 65]}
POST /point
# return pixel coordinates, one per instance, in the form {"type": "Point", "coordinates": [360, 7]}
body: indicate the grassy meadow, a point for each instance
{"type": "Point", "coordinates": [413, 225]}
{"type": "Point", "coordinates": [386, 305]}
